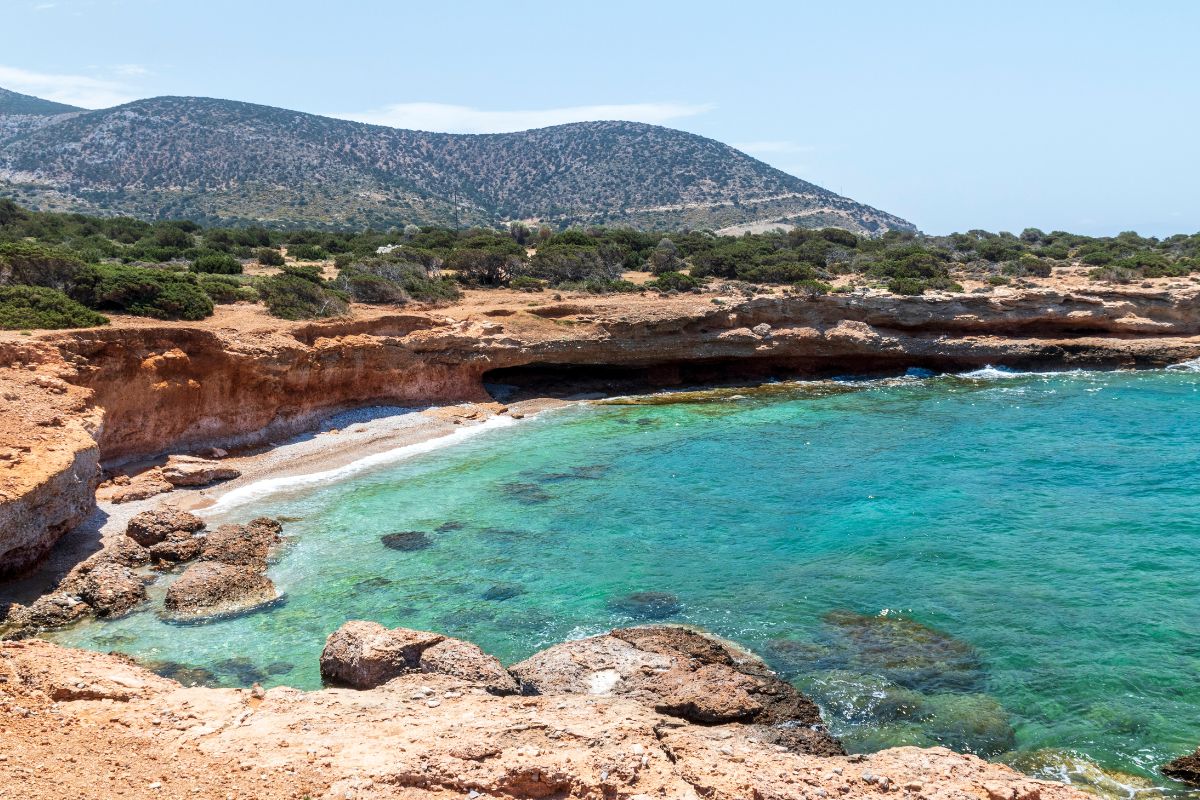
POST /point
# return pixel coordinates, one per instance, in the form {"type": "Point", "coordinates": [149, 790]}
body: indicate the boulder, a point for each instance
{"type": "Point", "coordinates": [680, 672]}
{"type": "Point", "coordinates": [192, 471]}
{"type": "Point", "coordinates": [151, 527]}
{"type": "Point", "coordinates": [48, 611]}
{"type": "Point", "coordinates": [110, 588]}
{"type": "Point", "coordinates": [364, 655]}
{"type": "Point", "coordinates": [128, 552]}
{"type": "Point", "coordinates": [210, 589]}
{"type": "Point", "coordinates": [1185, 768]}
{"type": "Point", "coordinates": [248, 544]}
{"type": "Point", "coordinates": [148, 484]}
{"type": "Point", "coordinates": [179, 546]}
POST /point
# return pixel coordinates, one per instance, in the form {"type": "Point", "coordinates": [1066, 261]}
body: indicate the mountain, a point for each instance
{"type": "Point", "coordinates": [231, 162]}
{"type": "Point", "coordinates": [17, 103]}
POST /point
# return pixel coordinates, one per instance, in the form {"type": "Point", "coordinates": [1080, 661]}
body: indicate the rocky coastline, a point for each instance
{"type": "Point", "coordinates": [131, 406]}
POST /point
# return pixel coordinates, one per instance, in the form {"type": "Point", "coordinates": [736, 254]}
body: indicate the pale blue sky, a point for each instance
{"type": "Point", "coordinates": [1082, 116]}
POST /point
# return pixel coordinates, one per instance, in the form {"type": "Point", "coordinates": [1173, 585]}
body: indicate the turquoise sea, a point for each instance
{"type": "Point", "coordinates": [1005, 563]}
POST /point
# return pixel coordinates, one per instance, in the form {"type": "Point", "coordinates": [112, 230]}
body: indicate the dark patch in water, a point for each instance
{"type": "Point", "coordinates": [503, 591]}
{"type": "Point", "coordinates": [452, 525]}
{"type": "Point", "coordinates": [370, 584]}
{"type": "Point", "coordinates": [510, 533]}
{"type": "Point", "coordinates": [185, 675]}
{"type": "Point", "coordinates": [279, 667]}
{"type": "Point", "coordinates": [240, 669]}
{"type": "Point", "coordinates": [527, 493]}
{"type": "Point", "coordinates": [288, 519]}
{"type": "Point", "coordinates": [903, 651]}
{"type": "Point", "coordinates": [406, 541]}
{"type": "Point", "coordinates": [646, 605]}
{"type": "Point", "coordinates": [645, 421]}
{"type": "Point", "coordinates": [589, 472]}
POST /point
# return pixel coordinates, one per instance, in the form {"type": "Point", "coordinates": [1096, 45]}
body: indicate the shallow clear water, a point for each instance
{"type": "Point", "coordinates": [1042, 529]}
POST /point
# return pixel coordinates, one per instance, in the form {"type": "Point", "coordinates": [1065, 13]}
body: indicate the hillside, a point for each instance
{"type": "Point", "coordinates": [17, 103]}
{"type": "Point", "coordinates": [224, 161]}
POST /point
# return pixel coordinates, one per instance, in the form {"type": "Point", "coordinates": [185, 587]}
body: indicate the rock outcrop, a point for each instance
{"type": "Point", "coordinates": [1185, 768]}
{"type": "Point", "coordinates": [192, 471]}
{"type": "Point", "coordinates": [364, 655]}
{"type": "Point", "coordinates": [682, 673]}
{"type": "Point", "coordinates": [247, 545]}
{"type": "Point", "coordinates": [151, 527]}
{"type": "Point", "coordinates": [113, 729]}
{"type": "Point", "coordinates": [162, 386]}
{"type": "Point", "coordinates": [209, 589]}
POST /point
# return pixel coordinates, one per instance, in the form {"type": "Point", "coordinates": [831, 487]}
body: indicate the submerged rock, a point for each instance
{"type": "Point", "coordinates": [151, 527]}
{"type": "Point", "coordinates": [447, 527]}
{"type": "Point", "coordinates": [680, 672]}
{"type": "Point", "coordinates": [903, 651]}
{"type": "Point", "coordinates": [973, 723]}
{"type": "Point", "coordinates": [211, 589]}
{"type": "Point", "coordinates": [527, 493]}
{"type": "Point", "coordinates": [863, 698]}
{"type": "Point", "coordinates": [365, 655]}
{"type": "Point", "coordinates": [243, 671]}
{"type": "Point", "coordinates": [182, 673]}
{"type": "Point", "coordinates": [406, 541]}
{"type": "Point", "coordinates": [503, 591]}
{"type": "Point", "coordinates": [1066, 766]}
{"type": "Point", "coordinates": [646, 605]}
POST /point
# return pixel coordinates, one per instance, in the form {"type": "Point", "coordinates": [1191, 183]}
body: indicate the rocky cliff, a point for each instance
{"type": "Point", "coordinates": [111, 728]}
{"type": "Point", "coordinates": [72, 399]}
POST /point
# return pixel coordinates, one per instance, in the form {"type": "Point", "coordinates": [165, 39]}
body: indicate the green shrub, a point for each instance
{"type": "Point", "coordinates": [480, 267]}
{"type": "Point", "coordinates": [415, 280]}
{"type": "Point", "coordinates": [36, 264]}
{"type": "Point", "coordinates": [225, 289]}
{"type": "Point", "coordinates": [142, 292]}
{"type": "Point", "coordinates": [811, 287]}
{"type": "Point", "coordinates": [364, 287]}
{"type": "Point", "coordinates": [300, 293]}
{"type": "Point", "coordinates": [29, 307]}
{"type": "Point", "coordinates": [307, 252]}
{"type": "Point", "coordinates": [524, 283]}
{"type": "Point", "coordinates": [572, 263]}
{"type": "Point", "coordinates": [676, 281]}
{"type": "Point", "coordinates": [269, 257]}
{"type": "Point", "coordinates": [911, 286]}
{"type": "Point", "coordinates": [217, 264]}
{"type": "Point", "coordinates": [600, 286]}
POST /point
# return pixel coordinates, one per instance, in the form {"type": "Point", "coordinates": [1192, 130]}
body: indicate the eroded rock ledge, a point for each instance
{"type": "Point", "coordinates": [110, 727]}
{"type": "Point", "coordinates": [72, 399]}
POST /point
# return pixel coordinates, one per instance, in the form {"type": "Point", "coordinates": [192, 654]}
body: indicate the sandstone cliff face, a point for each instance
{"type": "Point", "coordinates": [172, 386]}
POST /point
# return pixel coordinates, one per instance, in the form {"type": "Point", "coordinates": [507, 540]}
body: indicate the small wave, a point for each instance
{"type": "Point", "coordinates": [1186, 366]}
{"type": "Point", "coordinates": [990, 373]}
{"type": "Point", "coordinates": [269, 486]}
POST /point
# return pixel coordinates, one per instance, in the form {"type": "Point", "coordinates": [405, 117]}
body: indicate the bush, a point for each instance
{"type": "Point", "coordinates": [911, 286]}
{"type": "Point", "coordinates": [524, 283]}
{"type": "Point", "coordinates": [35, 264]}
{"type": "Point", "coordinates": [571, 263]}
{"type": "Point", "coordinates": [414, 280]}
{"type": "Point", "coordinates": [269, 257]}
{"type": "Point", "coordinates": [217, 264]}
{"type": "Point", "coordinates": [479, 267]}
{"type": "Point", "coordinates": [300, 293]}
{"type": "Point", "coordinates": [225, 289]}
{"type": "Point", "coordinates": [810, 287]}
{"type": "Point", "coordinates": [676, 281]}
{"type": "Point", "coordinates": [142, 292]}
{"type": "Point", "coordinates": [28, 307]}
{"type": "Point", "coordinates": [364, 287]}
{"type": "Point", "coordinates": [307, 252]}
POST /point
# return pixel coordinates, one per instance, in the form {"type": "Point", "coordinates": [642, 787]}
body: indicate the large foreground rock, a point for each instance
{"type": "Point", "coordinates": [683, 673]}
{"type": "Point", "coordinates": [208, 589]}
{"type": "Point", "coordinates": [366, 654]}
{"type": "Point", "coordinates": [106, 728]}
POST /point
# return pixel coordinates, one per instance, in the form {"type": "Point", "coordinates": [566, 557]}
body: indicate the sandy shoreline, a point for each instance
{"type": "Point", "coordinates": [342, 444]}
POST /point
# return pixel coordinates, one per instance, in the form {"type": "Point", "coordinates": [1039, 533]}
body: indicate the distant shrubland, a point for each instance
{"type": "Point", "coordinates": [179, 270]}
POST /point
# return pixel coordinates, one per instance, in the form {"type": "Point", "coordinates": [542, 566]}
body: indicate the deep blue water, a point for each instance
{"type": "Point", "coordinates": [1001, 563]}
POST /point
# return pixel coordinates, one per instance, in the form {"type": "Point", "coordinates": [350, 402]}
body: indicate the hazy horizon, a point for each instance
{"type": "Point", "coordinates": [1076, 117]}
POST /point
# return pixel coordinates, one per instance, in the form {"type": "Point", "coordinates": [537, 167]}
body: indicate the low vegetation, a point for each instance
{"type": "Point", "coordinates": [179, 270]}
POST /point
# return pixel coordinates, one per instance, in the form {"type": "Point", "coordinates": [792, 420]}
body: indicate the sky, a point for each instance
{"type": "Point", "coordinates": [1080, 116]}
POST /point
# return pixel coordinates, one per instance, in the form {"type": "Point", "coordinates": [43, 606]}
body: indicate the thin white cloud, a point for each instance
{"type": "Point", "coordinates": [464, 119]}
{"type": "Point", "coordinates": [130, 70]}
{"type": "Point", "coordinates": [773, 146]}
{"type": "Point", "coordinates": [76, 90]}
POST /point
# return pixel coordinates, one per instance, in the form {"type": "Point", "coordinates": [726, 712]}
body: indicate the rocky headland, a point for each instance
{"type": "Point", "coordinates": [129, 406]}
